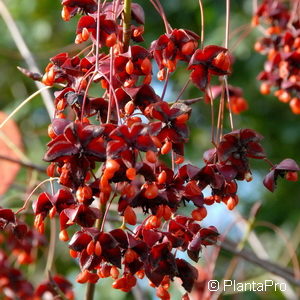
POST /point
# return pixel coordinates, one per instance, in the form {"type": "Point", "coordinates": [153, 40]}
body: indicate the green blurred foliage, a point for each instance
{"type": "Point", "coordinates": [46, 35]}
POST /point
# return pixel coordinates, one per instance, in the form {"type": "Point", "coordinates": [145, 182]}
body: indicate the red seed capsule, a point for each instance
{"type": "Point", "coordinates": [131, 173]}
{"type": "Point", "coordinates": [129, 215]}
{"type": "Point", "coordinates": [119, 283]}
{"type": "Point", "coordinates": [52, 212]}
{"type": "Point", "coordinates": [188, 48]}
{"type": "Point", "coordinates": [167, 214]}
{"type": "Point", "coordinates": [129, 108]}
{"type": "Point", "coordinates": [83, 276]}
{"type": "Point", "coordinates": [73, 253]}
{"type": "Point", "coordinates": [291, 176]}
{"type": "Point", "coordinates": [151, 156]}
{"type": "Point", "coordinates": [111, 40]}
{"type": "Point", "coordinates": [151, 191]}
{"type": "Point", "coordinates": [63, 235]}
{"type": "Point", "coordinates": [51, 132]}
{"type": "Point", "coordinates": [161, 75]}
{"type": "Point", "coordinates": [51, 170]}
{"type": "Point", "coordinates": [182, 119]}
{"type": "Point", "coordinates": [146, 66]}
{"type": "Point", "coordinates": [112, 165]}
{"type": "Point", "coordinates": [114, 272]}
{"type": "Point", "coordinates": [130, 256]}
{"type": "Point", "coordinates": [85, 34]}
{"type": "Point", "coordinates": [166, 148]}
{"type": "Point", "coordinates": [162, 177]}
{"type": "Point", "coordinates": [153, 222]}
{"type": "Point", "coordinates": [295, 106]}
{"type": "Point", "coordinates": [179, 160]}
{"type": "Point", "coordinates": [129, 68]}
{"type": "Point", "coordinates": [265, 88]}
{"type": "Point", "coordinates": [90, 248]}
{"type": "Point", "coordinates": [65, 14]}
{"type": "Point", "coordinates": [140, 274]}
{"type": "Point", "coordinates": [98, 248]}
{"type": "Point", "coordinates": [199, 213]}
{"type": "Point", "coordinates": [171, 65]}
{"type": "Point", "coordinates": [162, 293]}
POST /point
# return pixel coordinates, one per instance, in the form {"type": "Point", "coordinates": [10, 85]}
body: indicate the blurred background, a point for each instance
{"type": "Point", "coordinates": [46, 34]}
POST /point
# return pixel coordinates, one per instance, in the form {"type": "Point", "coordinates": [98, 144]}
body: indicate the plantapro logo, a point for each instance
{"type": "Point", "coordinates": [233, 285]}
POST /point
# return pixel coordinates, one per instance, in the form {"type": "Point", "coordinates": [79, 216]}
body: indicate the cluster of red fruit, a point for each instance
{"type": "Point", "coordinates": [110, 149]}
{"type": "Point", "coordinates": [113, 148]}
{"type": "Point", "coordinates": [281, 44]}
{"type": "Point", "coordinates": [22, 244]}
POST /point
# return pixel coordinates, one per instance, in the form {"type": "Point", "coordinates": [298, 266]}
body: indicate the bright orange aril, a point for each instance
{"type": "Point", "coordinates": [151, 191]}
{"type": "Point", "coordinates": [162, 177]}
{"type": "Point", "coordinates": [129, 68]}
{"type": "Point", "coordinates": [131, 173]}
{"type": "Point", "coordinates": [151, 156]}
{"type": "Point", "coordinates": [129, 215]}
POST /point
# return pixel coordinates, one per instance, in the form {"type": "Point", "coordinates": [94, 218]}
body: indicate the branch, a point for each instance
{"type": "Point", "coordinates": [26, 54]}
{"type": "Point", "coordinates": [262, 263]}
{"type": "Point", "coordinates": [24, 164]}
{"type": "Point", "coordinates": [127, 24]}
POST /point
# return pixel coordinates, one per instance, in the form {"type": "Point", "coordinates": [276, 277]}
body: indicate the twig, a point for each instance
{"type": "Point", "coordinates": [234, 262]}
{"type": "Point", "coordinates": [26, 54]}
{"type": "Point", "coordinates": [264, 264]}
{"type": "Point", "coordinates": [33, 191]}
{"type": "Point", "coordinates": [90, 288]}
{"type": "Point", "coordinates": [24, 164]}
{"type": "Point", "coordinates": [51, 251]}
{"type": "Point", "coordinates": [202, 24]}
{"type": "Point", "coordinates": [288, 246]}
{"type": "Point", "coordinates": [126, 24]}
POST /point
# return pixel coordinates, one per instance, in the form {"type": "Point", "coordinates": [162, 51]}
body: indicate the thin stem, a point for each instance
{"type": "Point", "coordinates": [227, 23]}
{"type": "Point", "coordinates": [228, 101]}
{"type": "Point", "coordinates": [85, 96]}
{"type": "Point", "coordinates": [220, 116]}
{"type": "Point", "coordinates": [183, 89]}
{"type": "Point", "coordinates": [173, 160]}
{"type": "Point", "coordinates": [165, 85]}
{"type": "Point", "coordinates": [126, 24]}
{"type": "Point", "coordinates": [33, 191]}
{"type": "Point", "coordinates": [51, 251]}
{"type": "Point", "coordinates": [101, 224]}
{"type": "Point", "coordinates": [212, 116]}
{"type": "Point", "coordinates": [202, 24]}
{"type": "Point", "coordinates": [26, 54]}
{"type": "Point", "coordinates": [160, 11]}
{"type": "Point", "coordinates": [23, 103]}
{"type": "Point", "coordinates": [24, 164]}
{"type": "Point", "coordinates": [226, 46]}
{"type": "Point", "coordinates": [90, 288]}
{"type": "Point", "coordinates": [287, 243]}
{"type": "Point", "coordinates": [98, 36]}
{"type": "Point", "coordinates": [110, 85]}
{"type": "Point", "coordinates": [168, 27]}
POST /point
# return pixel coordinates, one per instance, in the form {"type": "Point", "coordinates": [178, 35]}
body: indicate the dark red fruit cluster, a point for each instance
{"type": "Point", "coordinates": [109, 148]}
{"type": "Point", "coordinates": [22, 243]}
{"type": "Point", "coordinates": [281, 44]}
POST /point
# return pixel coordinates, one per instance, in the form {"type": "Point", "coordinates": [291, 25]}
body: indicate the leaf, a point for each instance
{"type": "Point", "coordinates": [9, 170]}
